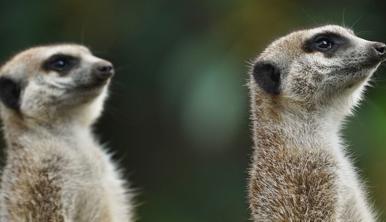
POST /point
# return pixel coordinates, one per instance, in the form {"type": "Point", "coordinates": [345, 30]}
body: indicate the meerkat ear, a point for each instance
{"type": "Point", "coordinates": [10, 93]}
{"type": "Point", "coordinates": [267, 76]}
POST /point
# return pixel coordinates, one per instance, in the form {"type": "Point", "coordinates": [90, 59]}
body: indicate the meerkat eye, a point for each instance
{"type": "Point", "coordinates": [324, 44]}
{"type": "Point", "coordinates": [61, 63]}
{"type": "Point", "coordinates": [327, 43]}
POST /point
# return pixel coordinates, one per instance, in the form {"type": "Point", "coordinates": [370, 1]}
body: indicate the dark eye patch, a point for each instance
{"type": "Point", "coordinates": [327, 43]}
{"type": "Point", "coordinates": [61, 63]}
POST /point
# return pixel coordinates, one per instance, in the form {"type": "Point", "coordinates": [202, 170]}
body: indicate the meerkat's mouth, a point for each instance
{"type": "Point", "coordinates": [363, 68]}
{"type": "Point", "coordinates": [372, 63]}
{"type": "Point", "coordinates": [95, 85]}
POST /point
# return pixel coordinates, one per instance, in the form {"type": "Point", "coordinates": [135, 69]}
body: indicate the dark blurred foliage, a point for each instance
{"type": "Point", "coordinates": [177, 117]}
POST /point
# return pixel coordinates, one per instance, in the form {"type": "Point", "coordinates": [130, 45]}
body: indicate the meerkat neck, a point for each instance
{"type": "Point", "coordinates": [289, 130]}
{"type": "Point", "coordinates": [18, 130]}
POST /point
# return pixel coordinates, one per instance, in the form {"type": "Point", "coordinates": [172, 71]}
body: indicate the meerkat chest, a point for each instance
{"type": "Point", "coordinates": [87, 157]}
{"type": "Point", "coordinates": [97, 184]}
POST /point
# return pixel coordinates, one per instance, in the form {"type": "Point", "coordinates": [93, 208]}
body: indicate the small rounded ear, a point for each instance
{"type": "Point", "coordinates": [267, 76]}
{"type": "Point", "coordinates": [10, 93]}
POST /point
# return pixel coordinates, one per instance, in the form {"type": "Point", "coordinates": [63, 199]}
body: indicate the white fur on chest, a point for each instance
{"type": "Point", "coordinates": [95, 183]}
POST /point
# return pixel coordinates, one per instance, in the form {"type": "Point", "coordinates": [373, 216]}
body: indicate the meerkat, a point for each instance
{"type": "Point", "coordinates": [55, 169]}
{"type": "Point", "coordinates": [302, 86]}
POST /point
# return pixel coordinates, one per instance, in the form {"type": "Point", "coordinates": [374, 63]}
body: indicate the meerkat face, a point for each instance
{"type": "Point", "coordinates": [316, 67]}
{"type": "Point", "coordinates": [45, 81]}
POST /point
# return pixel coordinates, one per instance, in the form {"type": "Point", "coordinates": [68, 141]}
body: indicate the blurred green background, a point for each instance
{"type": "Point", "coordinates": [178, 112]}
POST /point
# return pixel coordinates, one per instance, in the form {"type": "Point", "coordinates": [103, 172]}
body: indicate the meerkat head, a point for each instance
{"type": "Point", "coordinates": [52, 82]}
{"type": "Point", "coordinates": [316, 69]}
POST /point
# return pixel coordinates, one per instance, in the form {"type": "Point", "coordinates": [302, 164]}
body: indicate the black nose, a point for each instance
{"type": "Point", "coordinates": [104, 70]}
{"type": "Point", "coordinates": [380, 48]}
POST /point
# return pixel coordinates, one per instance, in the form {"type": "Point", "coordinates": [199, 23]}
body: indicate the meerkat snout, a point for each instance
{"type": "Point", "coordinates": [379, 48]}
{"type": "Point", "coordinates": [104, 70]}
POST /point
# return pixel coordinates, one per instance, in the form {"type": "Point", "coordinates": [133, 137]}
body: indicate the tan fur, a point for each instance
{"type": "Point", "coordinates": [300, 170]}
{"type": "Point", "coordinates": [55, 169]}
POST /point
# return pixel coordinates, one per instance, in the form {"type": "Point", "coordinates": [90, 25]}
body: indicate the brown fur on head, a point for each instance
{"type": "Point", "coordinates": [315, 69]}
{"type": "Point", "coordinates": [57, 81]}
